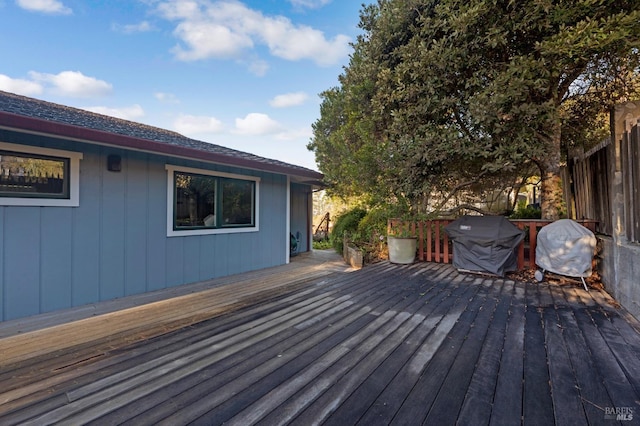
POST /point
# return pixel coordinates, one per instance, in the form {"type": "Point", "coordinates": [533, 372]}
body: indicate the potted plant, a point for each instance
{"type": "Point", "coordinates": [402, 242]}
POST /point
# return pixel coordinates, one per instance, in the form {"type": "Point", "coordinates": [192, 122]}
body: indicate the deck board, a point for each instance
{"type": "Point", "coordinates": [385, 406]}
{"type": "Point", "coordinates": [537, 401]}
{"type": "Point", "coordinates": [417, 403]}
{"type": "Point", "coordinates": [317, 343]}
{"type": "Point", "coordinates": [509, 390]}
{"type": "Point", "coordinates": [454, 388]}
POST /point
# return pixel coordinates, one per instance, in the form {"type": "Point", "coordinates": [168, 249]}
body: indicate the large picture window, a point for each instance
{"type": "Point", "coordinates": [203, 202]}
{"type": "Point", "coordinates": [34, 176]}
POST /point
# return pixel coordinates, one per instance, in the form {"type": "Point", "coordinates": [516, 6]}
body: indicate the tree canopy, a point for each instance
{"type": "Point", "coordinates": [441, 95]}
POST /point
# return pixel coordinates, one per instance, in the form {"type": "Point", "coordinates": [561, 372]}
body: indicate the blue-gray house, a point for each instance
{"type": "Point", "coordinates": [94, 208]}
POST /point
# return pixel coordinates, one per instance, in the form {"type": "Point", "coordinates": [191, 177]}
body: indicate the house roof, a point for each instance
{"type": "Point", "coordinates": [21, 113]}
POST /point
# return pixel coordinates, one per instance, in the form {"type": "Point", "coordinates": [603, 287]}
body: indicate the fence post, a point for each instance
{"type": "Point", "coordinates": [533, 241]}
{"type": "Point", "coordinates": [421, 241]}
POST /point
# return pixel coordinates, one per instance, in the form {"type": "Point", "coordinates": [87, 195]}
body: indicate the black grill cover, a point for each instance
{"type": "Point", "coordinates": [484, 244]}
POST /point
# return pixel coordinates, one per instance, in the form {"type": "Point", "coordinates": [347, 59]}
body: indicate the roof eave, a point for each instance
{"type": "Point", "coordinates": [22, 123]}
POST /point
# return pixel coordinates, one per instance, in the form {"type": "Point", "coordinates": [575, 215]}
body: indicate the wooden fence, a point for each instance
{"type": "Point", "coordinates": [11, 184]}
{"type": "Point", "coordinates": [630, 173]}
{"type": "Point", "coordinates": [434, 244]}
{"type": "Point", "coordinates": [606, 175]}
{"type": "Point", "coordinates": [591, 186]}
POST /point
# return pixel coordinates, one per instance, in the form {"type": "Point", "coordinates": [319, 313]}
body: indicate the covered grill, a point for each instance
{"type": "Point", "coordinates": [565, 247]}
{"type": "Point", "coordinates": [484, 244]}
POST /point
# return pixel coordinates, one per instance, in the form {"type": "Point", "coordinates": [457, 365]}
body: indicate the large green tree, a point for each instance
{"type": "Point", "coordinates": [443, 94]}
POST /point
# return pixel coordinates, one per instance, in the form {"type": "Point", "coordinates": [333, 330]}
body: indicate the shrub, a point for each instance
{"type": "Point", "coordinates": [346, 222]}
{"type": "Point", "coordinates": [371, 232]}
{"type": "Point", "coordinates": [524, 211]}
{"type": "Point", "coordinates": [374, 222]}
{"type": "Point", "coordinates": [322, 245]}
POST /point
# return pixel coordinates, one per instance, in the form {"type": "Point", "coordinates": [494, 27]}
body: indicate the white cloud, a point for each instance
{"type": "Point", "coordinates": [288, 100]}
{"type": "Point", "coordinates": [53, 7]}
{"type": "Point", "coordinates": [228, 28]}
{"type": "Point", "coordinates": [208, 40]}
{"type": "Point", "coordinates": [166, 97]}
{"type": "Point", "coordinates": [259, 68]}
{"type": "Point", "coordinates": [72, 83]}
{"type": "Point", "coordinates": [20, 86]}
{"type": "Point", "coordinates": [132, 112]}
{"type": "Point", "coordinates": [255, 124]}
{"type": "Point", "coordinates": [193, 125]}
{"type": "Point", "coordinates": [141, 27]}
{"type": "Point", "coordinates": [295, 135]}
{"type": "Point", "coordinates": [311, 4]}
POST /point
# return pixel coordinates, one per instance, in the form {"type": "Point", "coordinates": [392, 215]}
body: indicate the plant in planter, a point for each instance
{"type": "Point", "coordinates": [402, 241]}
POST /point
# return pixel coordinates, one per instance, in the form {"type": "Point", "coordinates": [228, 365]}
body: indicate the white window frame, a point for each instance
{"type": "Point", "coordinates": [74, 177]}
{"type": "Point", "coordinates": [207, 231]}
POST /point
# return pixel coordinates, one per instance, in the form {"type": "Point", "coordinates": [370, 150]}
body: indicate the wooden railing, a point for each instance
{"type": "Point", "coordinates": [434, 244]}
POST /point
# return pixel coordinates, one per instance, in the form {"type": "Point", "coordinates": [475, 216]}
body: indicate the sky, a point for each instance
{"type": "Point", "coordinates": [242, 74]}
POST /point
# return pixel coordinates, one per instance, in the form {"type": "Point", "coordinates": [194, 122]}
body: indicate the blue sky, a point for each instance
{"type": "Point", "coordinates": [243, 74]}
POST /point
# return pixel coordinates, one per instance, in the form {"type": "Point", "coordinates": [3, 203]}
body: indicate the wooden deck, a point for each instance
{"type": "Point", "coordinates": [314, 343]}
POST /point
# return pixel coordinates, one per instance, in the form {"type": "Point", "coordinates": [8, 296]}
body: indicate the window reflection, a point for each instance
{"type": "Point", "coordinates": [203, 201]}
{"type": "Point", "coordinates": [195, 200]}
{"type": "Point", "coordinates": [30, 175]}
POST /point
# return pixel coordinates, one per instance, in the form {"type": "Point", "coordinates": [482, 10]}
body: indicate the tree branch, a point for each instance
{"type": "Point", "coordinates": [467, 207]}
{"type": "Point", "coordinates": [458, 188]}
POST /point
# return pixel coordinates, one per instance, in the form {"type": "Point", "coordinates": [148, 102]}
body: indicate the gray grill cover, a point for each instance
{"type": "Point", "coordinates": [565, 247]}
{"type": "Point", "coordinates": [484, 244]}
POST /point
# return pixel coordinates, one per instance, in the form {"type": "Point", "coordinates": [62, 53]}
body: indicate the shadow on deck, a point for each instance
{"type": "Point", "coordinates": [388, 344]}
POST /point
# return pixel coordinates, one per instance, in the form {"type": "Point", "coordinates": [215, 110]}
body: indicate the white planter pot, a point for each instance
{"type": "Point", "coordinates": [402, 250]}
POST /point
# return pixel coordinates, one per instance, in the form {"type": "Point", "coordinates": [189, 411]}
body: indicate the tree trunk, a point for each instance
{"type": "Point", "coordinates": [551, 195]}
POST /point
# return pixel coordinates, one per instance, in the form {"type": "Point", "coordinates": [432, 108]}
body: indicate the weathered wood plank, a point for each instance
{"type": "Point", "coordinates": [387, 403]}
{"type": "Point", "coordinates": [172, 387]}
{"type": "Point", "coordinates": [165, 370]}
{"type": "Point", "coordinates": [186, 403]}
{"type": "Point", "coordinates": [361, 360]}
{"type": "Point", "coordinates": [354, 407]}
{"type": "Point", "coordinates": [477, 406]}
{"type": "Point", "coordinates": [22, 386]}
{"type": "Point", "coordinates": [589, 381]}
{"type": "Point", "coordinates": [617, 386]}
{"type": "Point", "coordinates": [428, 363]}
{"type": "Point", "coordinates": [625, 356]}
{"type": "Point", "coordinates": [37, 322]}
{"type": "Point", "coordinates": [454, 388]}
{"type": "Point", "coordinates": [272, 374]}
{"type": "Point", "coordinates": [567, 403]}
{"type": "Point", "coordinates": [508, 393]}
{"type": "Point", "coordinates": [346, 377]}
{"type": "Point", "coordinates": [61, 359]}
{"type": "Point", "coordinates": [537, 402]}
{"type": "Point", "coordinates": [221, 381]}
{"type": "Point", "coordinates": [418, 401]}
{"type": "Point", "coordinates": [293, 381]}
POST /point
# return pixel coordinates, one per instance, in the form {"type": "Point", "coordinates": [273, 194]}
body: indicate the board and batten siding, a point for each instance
{"type": "Point", "coordinates": [300, 212]}
{"type": "Point", "coordinates": [115, 242]}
